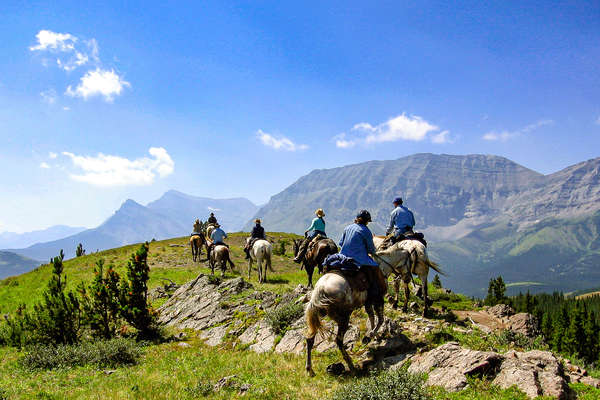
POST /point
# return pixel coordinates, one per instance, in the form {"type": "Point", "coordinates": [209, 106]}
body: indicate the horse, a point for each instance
{"type": "Point", "coordinates": [315, 256]}
{"type": "Point", "coordinates": [220, 256]}
{"type": "Point", "coordinates": [209, 229]}
{"type": "Point", "coordinates": [261, 253]}
{"type": "Point", "coordinates": [334, 296]}
{"type": "Point", "coordinates": [196, 242]}
{"type": "Point", "coordinates": [406, 258]}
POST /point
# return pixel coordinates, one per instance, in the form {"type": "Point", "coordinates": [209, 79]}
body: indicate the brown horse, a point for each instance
{"type": "Point", "coordinates": [315, 256]}
{"type": "Point", "coordinates": [196, 243]}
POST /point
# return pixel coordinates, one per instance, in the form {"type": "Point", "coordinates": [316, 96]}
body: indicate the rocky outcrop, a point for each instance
{"type": "Point", "coordinates": [536, 373]}
{"type": "Point", "coordinates": [502, 317]}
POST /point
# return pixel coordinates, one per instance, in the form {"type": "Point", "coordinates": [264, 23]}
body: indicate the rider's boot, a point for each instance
{"type": "Point", "coordinates": [247, 251]}
{"type": "Point", "coordinates": [298, 259]}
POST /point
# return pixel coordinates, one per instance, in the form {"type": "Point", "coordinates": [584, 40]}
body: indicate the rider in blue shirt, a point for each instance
{"type": "Point", "coordinates": [402, 219]}
{"type": "Point", "coordinates": [357, 243]}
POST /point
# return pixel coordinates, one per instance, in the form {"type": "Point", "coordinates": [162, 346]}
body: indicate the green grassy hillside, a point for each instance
{"type": "Point", "coordinates": [171, 371]}
{"type": "Point", "coordinates": [554, 254]}
{"type": "Point", "coordinates": [14, 264]}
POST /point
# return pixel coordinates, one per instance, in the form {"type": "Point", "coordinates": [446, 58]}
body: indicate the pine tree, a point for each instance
{"type": "Point", "coordinates": [591, 332]}
{"type": "Point", "coordinates": [437, 283]}
{"type": "Point", "coordinates": [100, 301]}
{"type": "Point", "coordinates": [134, 294]}
{"type": "Point", "coordinates": [56, 319]}
{"type": "Point", "coordinates": [79, 251]}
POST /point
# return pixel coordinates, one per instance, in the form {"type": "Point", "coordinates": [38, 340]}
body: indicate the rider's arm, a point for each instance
{"type": "Point", "coordinates": [412, 219]}
{"type": "Point", "coordinates": [369, 243]}
{"type": "Point", "coordinates": [392, 222]}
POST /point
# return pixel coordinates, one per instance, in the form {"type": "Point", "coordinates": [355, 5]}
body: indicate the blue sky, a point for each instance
{"type": "Point", "coordinates": [226, 99]}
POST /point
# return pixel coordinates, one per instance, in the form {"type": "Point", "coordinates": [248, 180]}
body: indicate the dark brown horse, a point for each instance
{"type": "Point", "coordinates": [315, 256]}
{"type": "Point", "coordinates": [196, 243]}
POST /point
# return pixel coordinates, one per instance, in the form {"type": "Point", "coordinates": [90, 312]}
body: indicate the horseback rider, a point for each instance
{"type": "Point", "coordinates": [402, 220]}
{"type": "Point", "coordinates": [197, 228]}
{"type": "Point", "coordinates": [258, 232]}
{"type": "Point", "coordinates": [357, 243]}
{"type": "Point", "coordinates": [316, 228]}
{"type": "Point", "coordinates": [212, 219]}
{"type": "Point", "coordinates": [217, 237]}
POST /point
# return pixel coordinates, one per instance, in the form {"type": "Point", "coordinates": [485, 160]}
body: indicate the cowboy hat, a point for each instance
{"type": "Point", "coordinates": [257, 221]}
{"type": "Point", "coordinates": [320, 212]}
{"type": "Point", "coordinates": [397, 200]}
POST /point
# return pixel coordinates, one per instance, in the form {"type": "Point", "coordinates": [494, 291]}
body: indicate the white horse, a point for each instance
{"type": "Point", "coordinates": [406, 258]}
{"type": "Point", "coordinates": [261, 253]}
{"type": "Point", "coordinates": [209, 230]}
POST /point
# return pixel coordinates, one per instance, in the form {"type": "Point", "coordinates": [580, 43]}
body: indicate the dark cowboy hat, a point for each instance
{"type": "Point", "coordinates": [364, 215]}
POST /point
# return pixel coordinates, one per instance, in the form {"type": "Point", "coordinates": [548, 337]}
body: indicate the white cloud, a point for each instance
{"type": "Point", "coordinates": [597, 121]}
{"type": "Point", "coordinates": [279, 143]}
{"type": "Point", "coordinates": [48, 40]}
{"type": "Point", "coordinates": [507, 135]}
{"type": "Point", "coordinates": [49, 96]}
{"type": "Point", "coordinates": [44, 165]}
{"type": "Point", "coordinates": [441, 138]}
{"type": "Point", "coordinates": [52, 155]}
{"type": "Point", "coordinates": [66, 108]}
{"type": "Point", "coordinates": [108, 170]}
{"type": "Point", "coordinates": [99, 83]}
{"type": "Point", "coordinates": [401, 127]}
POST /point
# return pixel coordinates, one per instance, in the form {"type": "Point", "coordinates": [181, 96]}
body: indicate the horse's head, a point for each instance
{"type": "Point", "coordinates": [297, 243]}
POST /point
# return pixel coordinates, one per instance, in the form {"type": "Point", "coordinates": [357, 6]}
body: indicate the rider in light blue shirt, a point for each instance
{"type": "Point", "coordinates": [218, 235]}
{"type": "Point", "coordinates": [402, 219]}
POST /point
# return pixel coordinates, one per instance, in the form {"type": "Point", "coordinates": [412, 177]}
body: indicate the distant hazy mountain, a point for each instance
{"type": "Point", "coordinates": [18, 240]}
{"type": "Point", "coordinates": [231, 213]}
{"type": "Point", "coordinates": [456, 200]}
{"type": "Point", "coordinates": [170, 216]}
{"type": "Point", "coordinates": [12, 264]}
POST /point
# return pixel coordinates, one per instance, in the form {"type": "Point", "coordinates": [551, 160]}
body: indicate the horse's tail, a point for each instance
{"type": "Point", "coordinates": [268, 259]}
{"type": "Point", "coordinates": [229, 259]}
{"type": "Point", "coordinates": [313, 320]}
{"type": "Point", "coordinates": [434, 265]}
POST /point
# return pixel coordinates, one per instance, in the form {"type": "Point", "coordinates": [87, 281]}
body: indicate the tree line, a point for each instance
{"type": "Point", "coordinates": [569, 325]}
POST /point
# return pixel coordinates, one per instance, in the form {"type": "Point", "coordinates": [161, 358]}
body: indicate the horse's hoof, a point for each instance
{"type": "Point", "coordinates": [310, 372]}
{"type": "Point", "coordinates": [366, 339]}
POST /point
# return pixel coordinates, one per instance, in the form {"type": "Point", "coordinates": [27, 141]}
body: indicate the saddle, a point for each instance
{"type": "Point", "coordinates": [357, 279]}
{"type": "Point", "coordinates": [390, 240]}
{"type": "Point", "coordinates": [315, 240]}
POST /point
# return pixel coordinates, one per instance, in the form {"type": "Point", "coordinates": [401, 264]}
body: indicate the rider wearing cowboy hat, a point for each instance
{"type": "Point", "coordinates": [197, 228]}
{"type": "Point", "coordinates": [217, 237]}
{"type": "Point", "coordinates": [212, 219]}
{"type": "Point", "coordinates": [316, 228]}
{"type": "Point", "coordinates": [258, 232]}
{"type": "Point", "coordinates": [402, 219]}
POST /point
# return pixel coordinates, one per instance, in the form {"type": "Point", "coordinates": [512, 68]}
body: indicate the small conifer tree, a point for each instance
{"type": "Point", "coordinates": [437, 283]}
{"type": "Point", "coordinates": [134, 294]}
{"type": "Point", "coordinates": [80, 251]}
{"type": "Point", "coordinates": [56, 319]}
{"type": "Point", "coordinates": [100, 301]}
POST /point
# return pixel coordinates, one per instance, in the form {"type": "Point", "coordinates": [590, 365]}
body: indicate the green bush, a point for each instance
{"type": "Point", "coordinates": [283, 316]}
{"type": "Point", "coordinates": [387, 385]}
{"type": "Point", "coordinates": [104, 353]}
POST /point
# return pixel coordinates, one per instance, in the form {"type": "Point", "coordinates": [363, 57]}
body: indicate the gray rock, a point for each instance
{"type": "Point", "coordinates": [537, 373]}
{"type": "Point", "coordinates": [214, 336]}
{"type": "Point", "coordinates": [501, 311]}
{"type": "Point", "coordinates": [183, 345]}
{"type": "Point", "coordinates": [525, 324]}
{"type": "Point", "coordinates": [450, 364]}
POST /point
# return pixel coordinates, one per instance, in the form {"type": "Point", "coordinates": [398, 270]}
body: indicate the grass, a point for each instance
{"type": "Point", "coordinates": [169, 371]}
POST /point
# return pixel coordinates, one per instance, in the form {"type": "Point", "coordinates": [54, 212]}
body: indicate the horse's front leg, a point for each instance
{"type": "Point", "coordinates": [406, 296]}
{"type": "Point", "coordinates": [425, 295]}
{"type": "Point", "coordinates": [309, 272]}
{"type": "Point", "coordinates": [369, 335]}
{"type": "Point", "coordinates": [309, 346]}
{"type": "Point", "coordinates": [249, 267]}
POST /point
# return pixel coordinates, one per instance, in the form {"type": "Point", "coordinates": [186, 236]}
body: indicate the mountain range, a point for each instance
{"type": "Point", "coordinates": [484, 215]}
{"type": "Point", "coordinates": [172, 215]}
{"type": "Point", "coordinates": [12, 264]}
{"type": "Point", "coordinates": [19, 240]}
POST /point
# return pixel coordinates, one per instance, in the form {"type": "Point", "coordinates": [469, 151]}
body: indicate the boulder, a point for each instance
{"type": "Point", "coordinates": [450, 364]}
{"type": "Point", "coordinates": [524, 324]}
{"type": "Point", "coordinates": [214, 336]}
{"type": "Point", "coordinates": [537, 373]}
{"type": "Point", "coordinates": [500, 311]}
{"type": "Point", "coordinates": [260, 336]}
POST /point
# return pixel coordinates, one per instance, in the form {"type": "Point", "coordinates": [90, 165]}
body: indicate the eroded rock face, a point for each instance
{"type": "Point", "coordinates": [201, 303]}
{"type": "Point", "coordinates": [536, 373]}
{"type": "Point", "coordinates": [525, 324]}
{"type": "Point", "coordinates": [501, 311]}
{"type": "Point", "coordinates": [450, 364]}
